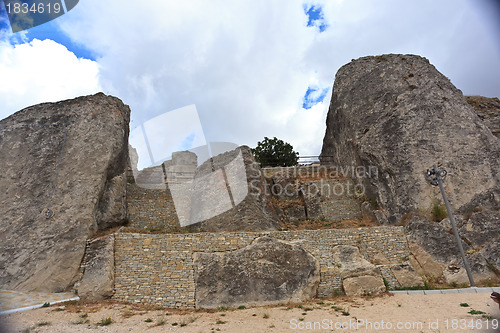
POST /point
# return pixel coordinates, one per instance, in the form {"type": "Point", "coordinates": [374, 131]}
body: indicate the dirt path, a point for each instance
{"type": "Point", "coordinates": [388, 313]}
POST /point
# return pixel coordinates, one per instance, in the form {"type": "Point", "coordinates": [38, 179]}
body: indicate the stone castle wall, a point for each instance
{"type": "Point", "coordinates": [158, 268]}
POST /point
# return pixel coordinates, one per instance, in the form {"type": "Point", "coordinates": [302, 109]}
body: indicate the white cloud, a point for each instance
{"type": "Point", "coordinates": [240, 63]}
{"type": "Point", "coordinates": [246, 65]}
{"type": "Point", "coordinates": [42, 71]}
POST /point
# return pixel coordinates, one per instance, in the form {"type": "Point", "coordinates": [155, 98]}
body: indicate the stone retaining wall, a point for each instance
{"type": "Point", "coordinates": [151, 209]}
{"type": "Point", "coordinates": [158, 268]}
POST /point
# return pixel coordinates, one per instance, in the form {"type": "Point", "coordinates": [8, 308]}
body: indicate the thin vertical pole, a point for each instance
{"type": "Point", "coordinates": [455, 231]}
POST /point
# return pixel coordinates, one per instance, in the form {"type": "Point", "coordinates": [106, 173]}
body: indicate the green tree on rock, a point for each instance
{"type": "Point", "coordinates": [275, 153]}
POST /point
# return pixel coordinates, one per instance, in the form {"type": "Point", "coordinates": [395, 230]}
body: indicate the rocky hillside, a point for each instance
{"type": "Point", "coordinates": [62, 180]}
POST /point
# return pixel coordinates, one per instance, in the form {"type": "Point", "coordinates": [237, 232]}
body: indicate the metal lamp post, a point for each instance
{"type": "Point", "coordinates": [436, 176]}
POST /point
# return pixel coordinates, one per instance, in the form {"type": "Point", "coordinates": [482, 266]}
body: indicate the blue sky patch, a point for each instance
{"type": "Point", "coordinates": [187, 143]}
{"type": "Point", "coordinates": [313, 96]}
{"type": "Point", "coordinates": [49, 30]}
{"type": "Point", "coordinates": [315, 17]}
{"type": "Point", "coordinates": [4, 20]}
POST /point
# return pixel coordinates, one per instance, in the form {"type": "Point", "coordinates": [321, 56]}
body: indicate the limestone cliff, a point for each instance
{"type": "Point", "coordinates": [401, 115]}
{"type": "Point", "coordinates": [63, 178]}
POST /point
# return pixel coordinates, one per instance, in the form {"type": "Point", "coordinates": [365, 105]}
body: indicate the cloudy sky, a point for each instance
{"type": "Point", "coordinates": [237, 71]}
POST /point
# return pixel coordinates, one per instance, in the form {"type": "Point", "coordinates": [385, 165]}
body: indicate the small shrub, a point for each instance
{"type": "Point", "coordinates": [149, 320]}
{"type": "Point", "coordinates": [183, 323]}
{"type": "Point", "coordinates": [265, 316]}
{"type": "Point", "coordinates": [105, 321]}
{"type": "Point", "coordinates": [476, 312]}
{"type": "Point", "coordinates": [175, 324]}
{"type": "Point", "coordinates": [241, 307]}
{"type": "Point", "coordinates": [345, 312]}
{"type": "Point", "coordinates": [301, 319]}
{"type": "Point", "coordinates": [46, 305]}
{"type": "Point", "coordinates": [464, 305]}
{"type": "Point", "coordinates": [438, 212]}
{"type": "Point", "coordinates": [220, 322]}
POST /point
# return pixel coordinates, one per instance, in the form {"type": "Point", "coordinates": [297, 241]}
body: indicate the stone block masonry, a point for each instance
{"type": "Point", "coordinates": [158, 269]}
{"type": "Point", "coordinates": [151, 209]}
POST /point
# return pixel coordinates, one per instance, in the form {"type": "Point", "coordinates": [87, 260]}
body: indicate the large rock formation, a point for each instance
{"type": "Point", "coordinates": [398, 113]}
{"type": "Point", "coordinates": [435, 251]}
{"type": "Point", "coordinates": [62, 179]}
{"type": "Point", "coordinates": [98, 280]}
{"type": "Point", "coordinates": [265, 272]}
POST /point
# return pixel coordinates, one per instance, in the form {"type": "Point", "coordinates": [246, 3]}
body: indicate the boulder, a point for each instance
{"type": "Point", "coordinates": [406, 275]}
{"type": "Point", "coordinates": [351, 263]}
{"type": "Point", "coordinates": [63, 166]}
{"type": "Point", "coordinates": [98, 280]}
{"type": "Point", "coordinates": [434, 239]}
{"type": "Point", "coordinates": [435, 251]}
{"type": "Point", "coordinates": [424, 263]}
{"type": "Point", "coordinates": [265, 272]}
{"type": "Point", "coordinates": [399, 114]}
{"type": "Point", "coordinates": [229, 193]}
{"type": "Point", "coordinates": [481, 228]}
{"type": "Point", "coordinates": [366, 285]}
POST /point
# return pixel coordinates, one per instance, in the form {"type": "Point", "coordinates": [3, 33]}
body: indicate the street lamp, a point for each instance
{"type": "Point", "coordinates": [436, 176]}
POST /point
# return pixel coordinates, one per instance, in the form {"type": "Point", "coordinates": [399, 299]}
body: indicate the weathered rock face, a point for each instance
{"type": "Point", "coordinates": [488, 109]}
{"type": "Point", "coordinates": [351, 263]}
{"type": "Point", "coordinates": [265, 272]}
{"type": "Point", "coordinates": [398, 113]}
{"type": "Point", "coordinates": [435, 251]}
{"type": "Point", "coordinates": [364, 285]}
{"type": "Point", "coordinates": [68, 157]}
{"type": "Point", "coordinates": [229, 194]}
{"type": "Point", "coordinates": [98, 280]}
{"type": "Point", "coordinates": [360, 277]}
{"type": "Point", "coordinates": [406, 275]}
